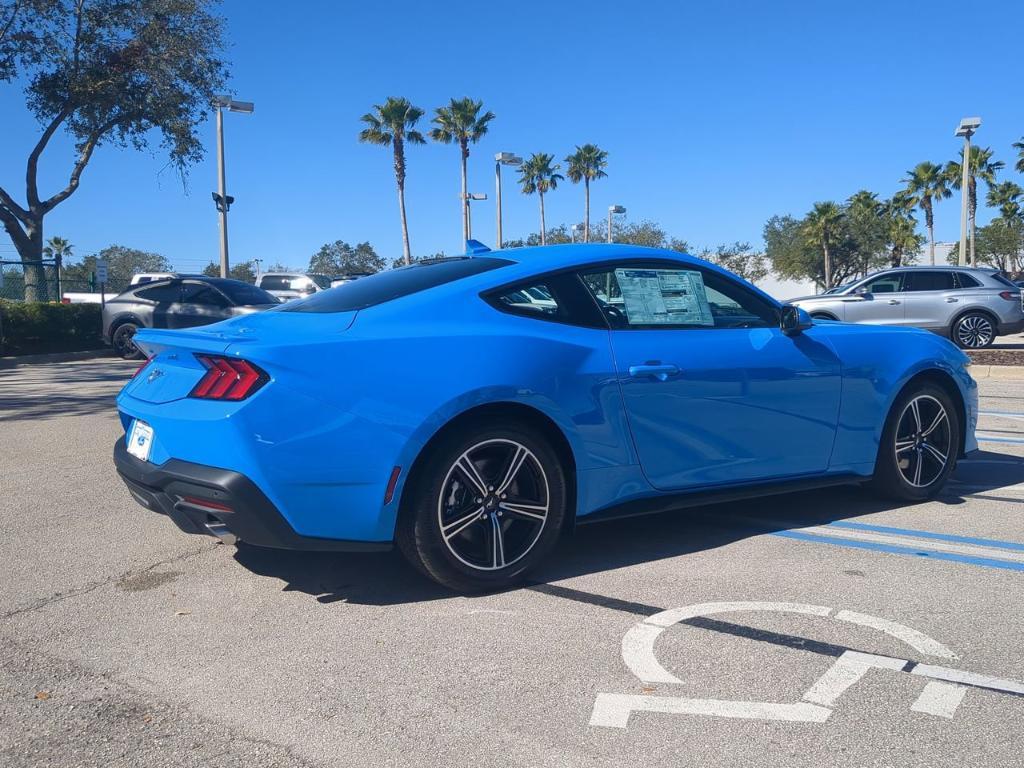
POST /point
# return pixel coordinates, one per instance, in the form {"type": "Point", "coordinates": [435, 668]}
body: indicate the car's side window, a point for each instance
{"type": "Point", "coordinates": [964, 280]}
{"type": "Point", "coordinates": [929, 280]}
{"type": "Point", "coordinates": [884, 284]}
{"type": "Point", "coordinates": [675, 295]}
{"type": "Point", "coordinates": [556, 298]}
{"type": "Point", "coordinates": [162, 294]}
{"type": "Point", "coordinates": [201, 293]}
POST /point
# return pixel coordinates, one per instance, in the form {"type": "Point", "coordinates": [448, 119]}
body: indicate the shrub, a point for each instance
{"type": "Point", "coordinates": [30, 328]}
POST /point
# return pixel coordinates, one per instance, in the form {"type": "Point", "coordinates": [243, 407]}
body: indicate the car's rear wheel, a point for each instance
{"type": "Point", "coordinates": [486, 506]}
{"type": "Point", "coordinates": [123, 341]}
{"type": "Point", "coordinates": [920, 444]}
{"type": "Point", "coordinates": [975, 330]}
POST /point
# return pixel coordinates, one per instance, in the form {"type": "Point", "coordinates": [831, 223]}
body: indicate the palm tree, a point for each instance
{"type": "Point", "coordinates": [57, 248]}
{"type": "Point", "coordinates": [981, 166]}
{"type": "Point", "coordinates": [820, 228]}
{"type": "Point", "coordinates": [1019, 146]}
{"type": "Point", "coordinates": [461, 123]}
{"type": "Point", "coordinates": [865, 211]}
{"type": "Point", "coordinates": [392, 124]}
{"type": "Point", "coordinates": [538, 175]}
{"type": "Point", "coordinates": [586, 164]}
{"type": "Point", "coordinates": [927, 182]}
{"type": "Point", "coordinates": [1007, 198]}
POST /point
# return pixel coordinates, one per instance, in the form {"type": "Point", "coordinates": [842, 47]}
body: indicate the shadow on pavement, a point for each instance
{"type": "Point", "coordinates": [57, 390]}
{"type": "Point", "coordinates": [385, 579]}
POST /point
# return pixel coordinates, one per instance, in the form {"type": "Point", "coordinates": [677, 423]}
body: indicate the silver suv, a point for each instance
{"type": "Point", "coordinates": [971, 306]}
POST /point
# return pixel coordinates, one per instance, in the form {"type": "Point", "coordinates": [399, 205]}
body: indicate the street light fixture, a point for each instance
{"type": "Point", "coordinates": [613, 209]}
{"type": "Point", "coordinates": [221, 199]}
{"type": "Point", "coordinates": [470, 197]}
{"type": "Point", "coordinates": [966, 129]}
{"type": "Point", "coordinates": [500, 159]}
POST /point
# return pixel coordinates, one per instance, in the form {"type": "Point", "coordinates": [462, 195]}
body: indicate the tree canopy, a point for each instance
{"type": "Point", "coordinates": [244, 271]}
{"type": "Point", "coordinates": [105, 72]}
{"type": "Point", "coordinates": [339, 258]}
{"type": "Point", "coordinates": [122, 263]}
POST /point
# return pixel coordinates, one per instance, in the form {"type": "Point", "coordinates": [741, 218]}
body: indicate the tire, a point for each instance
{"type": "Point", "coordinates": [908, 465]}
{"type": "Point", "coordinates": [486, 506]}
{"type": "Point", "coordinates": [974, 330]}
{"type": "Point", "coordinates": [821, 316]}
{"type": "Point", "coordinates": [121, 341]}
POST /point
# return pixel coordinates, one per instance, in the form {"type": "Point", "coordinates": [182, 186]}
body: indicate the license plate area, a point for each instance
{"type": "Point", "coordinates": [140, 440]}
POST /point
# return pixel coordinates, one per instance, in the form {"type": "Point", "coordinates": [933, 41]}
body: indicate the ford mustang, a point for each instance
{"type": "Point", "coordinates": [470, 410]}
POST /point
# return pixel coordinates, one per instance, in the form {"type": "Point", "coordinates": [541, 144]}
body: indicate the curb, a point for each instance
{"type": "Point", "coordinates": [1006, 372]}
{"type": "Point", "coordinates": [14, 361]}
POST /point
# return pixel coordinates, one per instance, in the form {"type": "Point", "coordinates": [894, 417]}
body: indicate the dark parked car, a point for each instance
{"type": "Point", "coordinates": [177, 303]}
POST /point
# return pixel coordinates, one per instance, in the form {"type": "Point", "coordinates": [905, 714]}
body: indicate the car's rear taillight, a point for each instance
{"type": "Point", "coordinates": [227, 378]}
{"type": "Point", "coordinates": [1009, 295]}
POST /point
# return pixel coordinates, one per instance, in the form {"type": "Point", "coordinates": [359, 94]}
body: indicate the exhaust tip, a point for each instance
{"type": "Point", "coordinates": [218, 529]}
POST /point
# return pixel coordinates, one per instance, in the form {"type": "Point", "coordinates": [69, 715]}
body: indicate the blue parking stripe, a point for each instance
{"type": "Point", "coordinates": [896, 550]}
{"type": "Point", "coordinates": [929, 535]}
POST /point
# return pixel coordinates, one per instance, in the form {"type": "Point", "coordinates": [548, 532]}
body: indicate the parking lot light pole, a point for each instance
{"type": "Point", "coordinates": [613, 209]}
{"type": "Point", "coordinates": [220, 197]}
{"type": "Point", "coordinates": [966, 129]}
{"type": "Point", "coordinates": [470, 197]}
{"type": "Point", "coordinates": [500, 159]}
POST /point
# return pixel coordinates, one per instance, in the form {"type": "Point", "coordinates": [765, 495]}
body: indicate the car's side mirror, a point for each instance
{"type": "Point", "coordinates": [793, 320]}
{"type": "Point", "coordinates": [863, 291]}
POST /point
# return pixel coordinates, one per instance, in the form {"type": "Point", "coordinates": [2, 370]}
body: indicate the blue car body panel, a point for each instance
{"type": "Point", "coordinates": [353, 395]}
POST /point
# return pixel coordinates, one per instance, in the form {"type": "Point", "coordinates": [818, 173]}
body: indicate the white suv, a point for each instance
{"type": "Point", "coordinates": [292, 285]}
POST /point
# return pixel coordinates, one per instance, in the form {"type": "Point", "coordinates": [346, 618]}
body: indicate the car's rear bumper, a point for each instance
{"type": "Point", "coordinates": [1007, 329]}
{"type": "Point", "coordinates": [218, 502]}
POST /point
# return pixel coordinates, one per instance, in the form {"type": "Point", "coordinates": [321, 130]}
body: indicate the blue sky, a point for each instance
{"type": "Point", "coordinates": [715, 116]}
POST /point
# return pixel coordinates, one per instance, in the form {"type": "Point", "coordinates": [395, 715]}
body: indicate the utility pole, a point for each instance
{"type": "Point", "coordinates": [221, 199]}
{"type": "Point", "coordinates": [966, 129]}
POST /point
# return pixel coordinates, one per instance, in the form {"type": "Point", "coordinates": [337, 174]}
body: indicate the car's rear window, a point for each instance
{"type": "Point", "coordinates": [245, 294]}
{"type": "Point", "coordinates": [394, 283]}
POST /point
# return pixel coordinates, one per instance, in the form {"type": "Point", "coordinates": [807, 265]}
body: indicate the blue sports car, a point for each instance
{"type": "Point", "coordinates": [471, 409]}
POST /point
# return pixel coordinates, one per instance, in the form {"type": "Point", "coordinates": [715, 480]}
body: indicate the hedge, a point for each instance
{"type": "Point", "coordinates": [30, 328]}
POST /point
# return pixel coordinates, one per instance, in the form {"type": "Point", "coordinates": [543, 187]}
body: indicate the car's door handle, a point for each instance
{"type": "Point", "coordinates": [894, 301]}
{"type": "Point", "coordinates": [656, 370]}
{"type": "Point", "coordinates": [951, 300]}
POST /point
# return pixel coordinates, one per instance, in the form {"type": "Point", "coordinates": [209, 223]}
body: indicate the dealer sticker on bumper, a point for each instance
{"type": "Point", "coordinates": [140, 440]}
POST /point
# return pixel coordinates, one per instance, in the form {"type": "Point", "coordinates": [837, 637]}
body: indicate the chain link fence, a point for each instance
{"type": "Point", "coordinates": [43, 281]}
{"type": "Point", "coordinates": [37, 279]}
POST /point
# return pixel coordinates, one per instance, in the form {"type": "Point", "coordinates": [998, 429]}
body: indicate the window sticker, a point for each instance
{"type": "Point", "coordinates": [664, 297]}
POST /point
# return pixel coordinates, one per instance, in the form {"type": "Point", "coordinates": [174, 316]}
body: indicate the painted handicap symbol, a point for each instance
{"type": "Point", "coordinates": [942, 693]}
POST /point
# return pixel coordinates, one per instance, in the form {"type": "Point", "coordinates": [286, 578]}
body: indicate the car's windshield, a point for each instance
{"type": "Point", "coordinates": [245, 294]}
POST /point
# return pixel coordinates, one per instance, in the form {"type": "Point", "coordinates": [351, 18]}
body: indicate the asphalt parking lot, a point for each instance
{"type": "Point", "coordinates": [819, 629]}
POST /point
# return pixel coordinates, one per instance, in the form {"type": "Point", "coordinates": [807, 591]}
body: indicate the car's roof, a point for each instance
{"type": "Point", "coordinates": [551, 257]}
{"type": "Point", "coordinates": [214, 281]}
{"type": "Point", "coordinates": [296, 273]}
{"type": "Point", "coordinates": [956, 267]}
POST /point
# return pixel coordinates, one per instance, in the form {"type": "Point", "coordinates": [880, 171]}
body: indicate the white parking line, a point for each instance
{"type": "Point", "coordinates": [939, 699]}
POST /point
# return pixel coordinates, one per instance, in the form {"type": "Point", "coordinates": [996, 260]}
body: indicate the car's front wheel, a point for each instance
{"type": "Point", "coordinates": [920, 444]}
{"type": "Point", "coordinates": [975, 330]}
{"type": "Point", "coordinates": [486, 506]}
{"type": "Point", "coordinates": [123, 341]}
